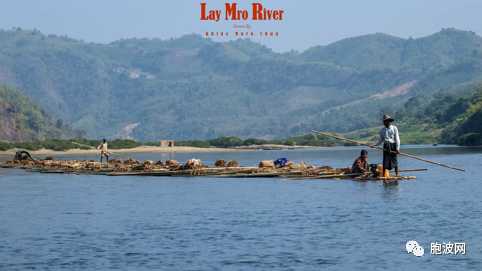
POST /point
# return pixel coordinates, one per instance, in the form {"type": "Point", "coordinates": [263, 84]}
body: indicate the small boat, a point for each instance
{"type": "Point", "coordinates": [272, 149]}
{"type": "Point", "coordinates": [435, 144]}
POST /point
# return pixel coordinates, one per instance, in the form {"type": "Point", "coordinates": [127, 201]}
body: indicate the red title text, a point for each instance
{"type": "Point", "coordinates": [231, 12]}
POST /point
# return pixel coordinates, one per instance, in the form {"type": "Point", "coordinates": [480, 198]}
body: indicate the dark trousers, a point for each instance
{"type": "Point", "coordinates": [390, 159]}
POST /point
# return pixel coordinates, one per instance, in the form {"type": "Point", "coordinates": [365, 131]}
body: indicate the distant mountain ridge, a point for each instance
{"type": "Point", "coordinates": [368, 52]}
{"type": "Point", "coordinates": [194, 88]}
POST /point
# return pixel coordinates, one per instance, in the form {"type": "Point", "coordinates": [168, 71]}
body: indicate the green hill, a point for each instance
{"type": "Point", "coordinates": [21, 119]}
{"type": "Point", "coordinates": [194, 88]}
{"type": "Point", "coordinates": [464, 116]}
{"type": "Point", "coordinates": [450, 118]}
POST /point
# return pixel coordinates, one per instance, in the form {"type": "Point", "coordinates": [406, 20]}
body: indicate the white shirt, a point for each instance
{"type": "Point", "coordinates": [103, 146]}
{"type": "Point", "coordinates": [389, 135]}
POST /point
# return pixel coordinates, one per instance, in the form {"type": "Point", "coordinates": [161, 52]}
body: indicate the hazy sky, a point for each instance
{"type": "Point", "coordinates": [305, 23]}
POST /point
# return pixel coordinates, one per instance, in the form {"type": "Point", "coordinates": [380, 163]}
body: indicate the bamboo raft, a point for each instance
{"type": "Point", "coordinates": [172, 168]}
{"type": "Point", "coordinates": [193, 167]}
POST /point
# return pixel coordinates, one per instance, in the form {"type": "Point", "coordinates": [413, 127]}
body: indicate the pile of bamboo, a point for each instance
{"type": "Point", "coordinates": [220, 163]}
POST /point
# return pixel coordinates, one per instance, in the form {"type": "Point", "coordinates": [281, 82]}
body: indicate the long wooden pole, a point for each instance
{"type": "Point", "coordinates": [410, 170]}
{"type": "Point", "coordinates": [404, 154]}
{"type": "Point", "coordinates": [94, 148]}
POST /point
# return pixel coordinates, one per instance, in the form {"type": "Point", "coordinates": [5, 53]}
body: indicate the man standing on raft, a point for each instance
{"type": "Point", "coordinates": [103, 152]}
{"type": "Point", "coordinates": [391, 142]}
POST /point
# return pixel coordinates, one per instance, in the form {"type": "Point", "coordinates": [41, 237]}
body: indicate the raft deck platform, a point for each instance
{"type": "Point", "coordinates": [211, 172]}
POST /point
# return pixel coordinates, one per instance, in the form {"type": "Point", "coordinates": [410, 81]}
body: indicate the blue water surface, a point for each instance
{"type": "Point", "coordinates": [50, 221]}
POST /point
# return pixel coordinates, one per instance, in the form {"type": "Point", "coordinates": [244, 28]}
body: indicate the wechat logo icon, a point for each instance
{"type": "Point", "coordinates": [415, 248]}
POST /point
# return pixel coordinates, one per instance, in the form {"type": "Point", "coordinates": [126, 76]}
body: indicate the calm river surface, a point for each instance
{"type": "Point", "coordinates": [50, 221]}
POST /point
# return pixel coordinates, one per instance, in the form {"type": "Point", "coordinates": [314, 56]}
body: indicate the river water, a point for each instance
{"type": "Point", "coordinates": [50, 221]}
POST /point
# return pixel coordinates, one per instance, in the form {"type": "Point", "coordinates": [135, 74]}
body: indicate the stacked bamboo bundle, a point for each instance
{"type": "Point", "coordinates": [115, 161]}
{"type": "Point", "coordinates": [266, 164]}
{"type": "Point", "coordinates": [160, 163]}
{"type": "Point", "coordinates": [171, 162]}
{"type": "Point", "coordinates": [301, 165]}
{"type": "Point", "coordinates": [220, 163]}
{"type": "Point", "coordinates": [287, 165]}
{"type": "Point", "coordinates": [233, 163]}
{"type": "Point", "coordinates": [131, 161]}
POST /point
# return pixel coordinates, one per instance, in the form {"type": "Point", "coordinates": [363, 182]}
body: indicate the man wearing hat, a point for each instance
{"type": "Point", "coordinates": [391, 142]}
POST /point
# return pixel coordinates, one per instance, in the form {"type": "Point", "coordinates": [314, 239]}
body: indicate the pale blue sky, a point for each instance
{"type": "Point", "coordinates": [305, 23]}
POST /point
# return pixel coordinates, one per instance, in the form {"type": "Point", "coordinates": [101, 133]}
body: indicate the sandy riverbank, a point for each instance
{"type": "Point", "coordinates": [149, 149]}
{"type": "Point", "coordinates": [144, 149]}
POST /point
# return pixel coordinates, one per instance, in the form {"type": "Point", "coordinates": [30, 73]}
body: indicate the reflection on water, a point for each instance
{"type": "Point", "coordinates": [390, 188]}
{"type": "Point", "coordinates": [132, 223]}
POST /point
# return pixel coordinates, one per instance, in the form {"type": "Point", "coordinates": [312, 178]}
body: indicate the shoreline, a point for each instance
{"type": "Point", "coordinates": [151, 149]}
{"type": "Point", "coordinates": [176, 149]}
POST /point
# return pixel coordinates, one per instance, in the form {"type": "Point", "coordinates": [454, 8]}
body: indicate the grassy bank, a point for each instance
{"type": "Point", "coordinates": [409, 134]}
{"type": "Point", "coordinates": [221, 142]}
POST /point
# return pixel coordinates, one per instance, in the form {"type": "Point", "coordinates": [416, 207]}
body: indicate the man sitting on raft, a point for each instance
{"type": "Point", "coordinates": [23, 155]}
{"type": "Point", "coordinates": [361, 163]}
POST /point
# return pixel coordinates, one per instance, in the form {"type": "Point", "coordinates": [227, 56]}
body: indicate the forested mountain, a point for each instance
{"type": "Point", "coordinates": [458, 115]}
{"type": "Point", "coordinates": [194, 88]}
{"type": "Point", "coordinates": [21, 119]}
{"type": "Point", "coordinates": [453, 117]}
